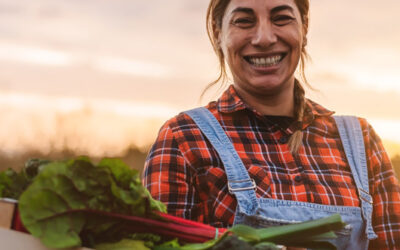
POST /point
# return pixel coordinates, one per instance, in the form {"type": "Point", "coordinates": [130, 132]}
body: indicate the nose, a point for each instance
{"type": "Point", "coordinates": [264, 34]}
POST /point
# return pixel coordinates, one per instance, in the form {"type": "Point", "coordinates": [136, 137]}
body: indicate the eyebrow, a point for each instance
{"type": "Point", "coordinates": [243, 9]}
{"type": "Point", "coordinates": [282, 7]}
{"type": "Point", "coordinates": [274, 10]}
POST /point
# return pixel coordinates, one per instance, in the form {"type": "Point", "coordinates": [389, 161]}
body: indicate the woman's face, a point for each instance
{"type": "Point", "coordinates": [262, 41]}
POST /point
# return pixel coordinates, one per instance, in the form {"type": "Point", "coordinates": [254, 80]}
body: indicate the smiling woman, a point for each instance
{"type": "Point", "coordinates": [263, 154]}
{"type": "Point", "coordinates": [244, 33]}
{"type": "Point", "coordinates": [257, 72]}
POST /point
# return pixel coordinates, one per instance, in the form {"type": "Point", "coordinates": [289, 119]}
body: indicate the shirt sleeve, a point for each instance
{"type": "Point", "coordinates": [385, 192]}
{"type": "Point", "coordinates": [169, 178]}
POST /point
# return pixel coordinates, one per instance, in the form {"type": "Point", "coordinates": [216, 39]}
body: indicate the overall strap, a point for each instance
{"type": "Point", "coordinates": [239, 182]}
{"type": "Point", "coordinates": [353, 142]}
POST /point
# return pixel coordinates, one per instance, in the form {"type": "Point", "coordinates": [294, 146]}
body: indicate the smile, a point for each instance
{"type": "Point", "coordinates": [266, 61]}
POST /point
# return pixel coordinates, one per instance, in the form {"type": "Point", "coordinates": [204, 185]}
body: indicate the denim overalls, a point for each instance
{"type": "Point", "coordinates": [266, 212]}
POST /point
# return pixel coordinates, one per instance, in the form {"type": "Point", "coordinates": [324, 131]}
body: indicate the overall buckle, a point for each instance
{"type": "Point", "coordinates": [365, 196]}
{"type": "Point", "coordinates": [231, 189]}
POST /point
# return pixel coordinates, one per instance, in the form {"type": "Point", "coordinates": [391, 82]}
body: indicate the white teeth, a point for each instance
{"type": "Point", "coordinates": [265, 61]}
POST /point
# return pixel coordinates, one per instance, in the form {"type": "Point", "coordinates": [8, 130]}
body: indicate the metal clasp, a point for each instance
{"type": "Point", "coordinates": [368, 195]}
{"type": "Point", "coordinates": [231, 189]}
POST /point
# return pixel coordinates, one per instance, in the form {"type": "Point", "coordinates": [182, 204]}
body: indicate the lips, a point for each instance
{"type": "Point", "coordinates": [265, 60]}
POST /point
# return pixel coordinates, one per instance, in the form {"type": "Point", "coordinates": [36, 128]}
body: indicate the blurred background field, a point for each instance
{"type": "Point", "coordinates": [99, 77]}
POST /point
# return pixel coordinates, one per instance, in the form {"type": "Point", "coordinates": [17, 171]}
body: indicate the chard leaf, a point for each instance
{"type": "Point", "coordinates": [12, 184]}
{"type": "Point", "coordinates": [169, 245]}
{"type": "Point", "coordinates": [203, 246]}
{"type": "Point", "coordinates": [246, 233]}
{"type": "Point", "coordinates": [266, 246]}
{"type": "Point", "coordinates": [44, 208]}
{"type": "Point", "coordinates": [123, 175]}
{"type": "Point", "coordinates": [125, 244]}
{"type": "Point", "coordinates": [294, 232]}
{"type": "Point", "coordinates": [33, 167]}
{"type": "Point", "coordinates": [5, 182]}
{"type": "Point", "coordinates": [56, 206]}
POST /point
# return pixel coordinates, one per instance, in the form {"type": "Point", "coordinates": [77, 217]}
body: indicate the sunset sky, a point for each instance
{"type": "Point", "coordinates": [98, 76]}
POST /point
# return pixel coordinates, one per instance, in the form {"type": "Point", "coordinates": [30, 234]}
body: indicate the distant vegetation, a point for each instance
{"type": "Point", "coordinates": [134, 157]}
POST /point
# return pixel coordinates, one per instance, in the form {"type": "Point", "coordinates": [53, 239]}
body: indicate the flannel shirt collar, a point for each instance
{"type": "Point", "coordinates": [231, 102]}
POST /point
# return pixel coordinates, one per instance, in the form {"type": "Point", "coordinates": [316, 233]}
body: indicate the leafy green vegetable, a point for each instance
{"type": "Point", "coordinates": [304, 234]}
{"type": "Point", "coordinates": [125, 244]}
{"type": "Point", "coordinates": [12, 184]}
{"type": "Point", "coordinates": [266, 246]}
{"type": "Point", "coordinates": [150, 240]}
{"type": "Point", "coordinates": [34, 166]}
{"type": "Point", "coordinates": [311, 234]}
{"type": "Point", "coordinates": [62, 205]}
{"type": "Point", "coordinates": [169, 245]}
{"type": "Point", "coordinates": [55, 206]}
{"type": "Point", "coordinates": [232, 242]}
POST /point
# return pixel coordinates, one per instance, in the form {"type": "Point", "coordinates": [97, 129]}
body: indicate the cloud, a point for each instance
{"type": "Point", "coordinates": [26, 54]}
{"type": "Point", "coordinates": [53, 58]}
{"type": "Point", "coordinates": [350, 100]}
{"type": "Point", "coordinates": [131, 67]}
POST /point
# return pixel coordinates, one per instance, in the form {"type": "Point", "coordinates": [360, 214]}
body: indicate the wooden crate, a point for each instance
{"type": "Point", "coordinates": [7, 210]}
{"type": "Point", "coordinates": [14, 240]}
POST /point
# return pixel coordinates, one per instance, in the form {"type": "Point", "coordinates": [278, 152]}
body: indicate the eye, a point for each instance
{"type": "Point", "coordinates": [282, 20]}
{"type": "Point", "coordinates": [244, 22]}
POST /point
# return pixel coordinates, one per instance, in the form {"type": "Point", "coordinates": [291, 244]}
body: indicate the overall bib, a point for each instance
{"type": "Point", "coordinates": [267, 212]}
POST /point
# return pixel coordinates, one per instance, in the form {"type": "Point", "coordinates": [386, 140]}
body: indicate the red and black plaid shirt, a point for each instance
{"type": "Point", "coordinates": [184, 171]}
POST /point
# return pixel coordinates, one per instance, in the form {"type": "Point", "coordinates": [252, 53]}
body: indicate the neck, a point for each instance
{"type": "Point", "coordinates": [276, 104]}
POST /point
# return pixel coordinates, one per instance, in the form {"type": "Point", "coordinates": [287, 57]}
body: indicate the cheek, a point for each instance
{"type": "Point", "coordinates": [295, 39]}
{"type": "Point", "coordinates": [232, 42]}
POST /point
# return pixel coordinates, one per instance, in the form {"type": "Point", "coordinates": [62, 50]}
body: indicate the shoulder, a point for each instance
{"type": "Point", "coordinates": [182, 124]}
{"type": "Point", "coordinates": [372, 140]}
{"type": "Point", "coordinates": [324, 119]}
{"type": "Point", "coordinates": [366, 128]}
{"type": "Point", "coordinates": [373, 143]}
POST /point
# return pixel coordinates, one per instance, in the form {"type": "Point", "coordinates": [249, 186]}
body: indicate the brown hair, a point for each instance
{"type": "Point", "coordinates": [215, 12]}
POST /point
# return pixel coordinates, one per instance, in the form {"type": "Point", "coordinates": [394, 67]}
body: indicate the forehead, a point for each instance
{"type": "Point", "coordinates": [261, 5]}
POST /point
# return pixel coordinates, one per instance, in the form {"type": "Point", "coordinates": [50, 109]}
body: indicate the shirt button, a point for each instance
{"type": "Point", "coordinates": [283, 140]}
{"type": "Point", "coordinates": [298, 178]}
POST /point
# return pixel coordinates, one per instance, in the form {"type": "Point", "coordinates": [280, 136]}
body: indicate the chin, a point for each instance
{"type": "Point", "coordinates": [265, 86]}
